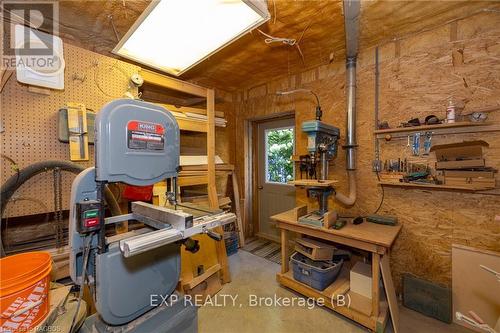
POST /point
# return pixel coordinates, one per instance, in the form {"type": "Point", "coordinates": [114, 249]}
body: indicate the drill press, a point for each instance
{"type": "Point", "coordinates": [322, 145]}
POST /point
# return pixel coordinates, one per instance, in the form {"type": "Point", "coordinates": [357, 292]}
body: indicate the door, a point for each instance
{"type": "Point", "coordinates": [276, 145]}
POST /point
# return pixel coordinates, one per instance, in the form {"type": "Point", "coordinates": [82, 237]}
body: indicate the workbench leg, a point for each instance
{"type": "Point", "coordinates": [284, 251]}
{"type": "Point", "coordinates": [375, 283]}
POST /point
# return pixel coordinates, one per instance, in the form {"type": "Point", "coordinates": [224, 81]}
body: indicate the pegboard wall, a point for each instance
{"type": "Point", "coordinates": [29, 121]}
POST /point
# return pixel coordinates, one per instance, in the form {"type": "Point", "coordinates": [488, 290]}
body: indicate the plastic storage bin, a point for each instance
{"type": "Point", "coordinates": [231, 242]}
{"type": "Point", "coordinates": [316, 274]}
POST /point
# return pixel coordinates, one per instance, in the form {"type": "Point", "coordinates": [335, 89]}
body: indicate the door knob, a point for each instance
{"type": "Point", "coordinates": [260, 187]}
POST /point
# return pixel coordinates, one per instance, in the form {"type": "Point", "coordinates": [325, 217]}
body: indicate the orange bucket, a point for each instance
{"type": "Point", "coordinates": [24, 290]}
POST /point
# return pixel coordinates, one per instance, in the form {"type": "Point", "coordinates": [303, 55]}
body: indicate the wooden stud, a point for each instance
{"type": "Point", "coordinates": [186, 109]}
{"type": "Point", "coordinates": [254, 177]}
{"type": "Point", "coordinates": [237, 208]}
{"type": "Point", "coordinates": [200, 278]}
{"type": "Point", "coordinates": [390, 291]}
{"type": "Point", "coordinates": [212, 190]}
{"type": "Point", "coordinates": [191, 125]}
{"type": "Point", "coordinates": [284, 251]}
{"type": "Point", "coordinates": [171, 83]}
{"type": "Point", "coordinates": [375, 284]}
{"type": "Point", "coordinates": [213, 198]}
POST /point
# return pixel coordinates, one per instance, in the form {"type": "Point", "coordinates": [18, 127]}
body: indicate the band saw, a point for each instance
{"type": "Point", "coordinates": [136, 143]}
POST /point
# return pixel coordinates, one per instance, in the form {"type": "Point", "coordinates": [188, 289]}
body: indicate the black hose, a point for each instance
{"type": "Point", "coordinates": [15, 181]}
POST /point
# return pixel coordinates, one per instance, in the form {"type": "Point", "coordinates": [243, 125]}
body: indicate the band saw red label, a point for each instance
{"type": "Point", "coordinates": [145, 136]}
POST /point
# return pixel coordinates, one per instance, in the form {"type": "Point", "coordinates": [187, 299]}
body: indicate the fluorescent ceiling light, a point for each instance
{"type": "Point", "coordinates": [175, 35]}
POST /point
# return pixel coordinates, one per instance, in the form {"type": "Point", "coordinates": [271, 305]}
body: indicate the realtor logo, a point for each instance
{"type": "Point", "coordinates": [28, 30]}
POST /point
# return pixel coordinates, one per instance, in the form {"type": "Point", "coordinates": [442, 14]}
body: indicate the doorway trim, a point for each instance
{"type": "Point", "coordinates": [251, 171]}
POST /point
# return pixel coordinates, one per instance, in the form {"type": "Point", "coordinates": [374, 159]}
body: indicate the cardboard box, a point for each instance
{"type": "Point", "coordinates": [462, 155]}
{"type": "Point", "coordinates": [361, 279]}
{"type": "Point", "coordinates": [314, 249]}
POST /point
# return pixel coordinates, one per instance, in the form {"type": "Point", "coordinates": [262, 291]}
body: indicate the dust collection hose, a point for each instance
{"type": "Point", "coordinates": [17, 180]}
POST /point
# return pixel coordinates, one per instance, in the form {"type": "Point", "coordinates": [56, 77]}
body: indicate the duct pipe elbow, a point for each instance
{"type": "Point", "coordinates": [350, 199]}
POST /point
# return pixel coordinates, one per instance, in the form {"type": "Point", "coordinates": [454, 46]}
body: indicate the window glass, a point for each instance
{"type": "Point", "coordinates": [279, 151]}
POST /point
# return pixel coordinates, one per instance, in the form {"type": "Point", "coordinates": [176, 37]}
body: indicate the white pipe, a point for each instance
{"type": "Point", "coordinates": [350, 199]}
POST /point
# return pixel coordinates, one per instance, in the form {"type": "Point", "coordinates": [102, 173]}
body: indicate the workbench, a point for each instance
{"type": "Point", "coordinates": [374, 238]}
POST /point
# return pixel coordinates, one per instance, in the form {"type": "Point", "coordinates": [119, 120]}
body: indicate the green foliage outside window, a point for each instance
{"type": "Point", "coordinates": [279, 150]}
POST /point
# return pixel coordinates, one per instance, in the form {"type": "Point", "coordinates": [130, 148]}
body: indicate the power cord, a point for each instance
{"type": "Point", "coordinates": [86, 254]}
{"type": "Point", "coordinates": [271, 39]}
{"type": "Point", "coordinates": [383, 195]}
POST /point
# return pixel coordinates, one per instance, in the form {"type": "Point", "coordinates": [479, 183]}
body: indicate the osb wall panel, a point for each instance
{"type": "Point", "coordinates": [417, 75]}
{"type": "Point", "coordinates": [30, 123]}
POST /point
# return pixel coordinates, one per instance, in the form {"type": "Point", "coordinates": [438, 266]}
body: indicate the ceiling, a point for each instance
{"type": "Point", "coordinates": [249, 60]}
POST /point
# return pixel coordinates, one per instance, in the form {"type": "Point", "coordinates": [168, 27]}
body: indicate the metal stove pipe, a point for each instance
{"type": "Point", "coordinates": [351, 21]}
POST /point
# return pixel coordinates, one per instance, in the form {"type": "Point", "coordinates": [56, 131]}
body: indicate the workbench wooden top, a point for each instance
{"type": "Point", "coordinates": [313, 182]}
{"type": "Point", "coordinates": [378, 234]}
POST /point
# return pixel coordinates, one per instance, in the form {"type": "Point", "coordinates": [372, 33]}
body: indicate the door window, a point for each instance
{"type": "Point", "coordinates": [279, 151]}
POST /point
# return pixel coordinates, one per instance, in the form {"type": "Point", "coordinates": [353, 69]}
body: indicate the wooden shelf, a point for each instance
{"type": "Point", "coordinates": [360, 307]}
{"type": "Point", "coordinates": [435, 187]}
{"type": "Point", "coordinates": [453, 128]}
{"type": "Point", "coordinates": [204, 167]}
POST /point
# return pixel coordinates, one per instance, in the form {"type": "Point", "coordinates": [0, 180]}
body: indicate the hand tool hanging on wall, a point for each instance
{"type": "Point", "coordinates": [427, 143]}
{"type": "Point", "coordinates": [78, 135]}
{"type": "Point", "coordinates": [416, 144]}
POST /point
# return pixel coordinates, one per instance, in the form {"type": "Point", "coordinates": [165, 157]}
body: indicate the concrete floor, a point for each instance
{"type": "Point", "coordinates": [252, 275]}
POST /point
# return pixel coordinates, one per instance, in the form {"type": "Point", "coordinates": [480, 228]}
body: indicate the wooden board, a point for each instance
{"type": "Point", "coordinates": [424, 128]}
{"type": "Point", "coordinates": [208, 287]}
{"type": "Point", "coordinates": [472, 287]}
{"type": "Point", "coordinates": [314, 249]}
{"type": "Point", "coordinates": [381, 235]}
{"type": "Point", "coordinates": [436, 187]}
{"type": "Point", "coordinates": [186, 285]}
{"type": "Point", "coordinates": [339, 286]}
{"type": "Point", "coordinates": [192, 160]}
{"type": "Point", "coordinates": [185, 109]}
{"type": "Point", "coordinates": [171, 83]}
{"type": "Point", "coordinates": [237, 209]}
{"type": "Point", "coordinates": [56, 298]}
{"type": "Point", "coordinates": [313, 182]}
{"type": "Point", "coordinates": [390, 292]}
